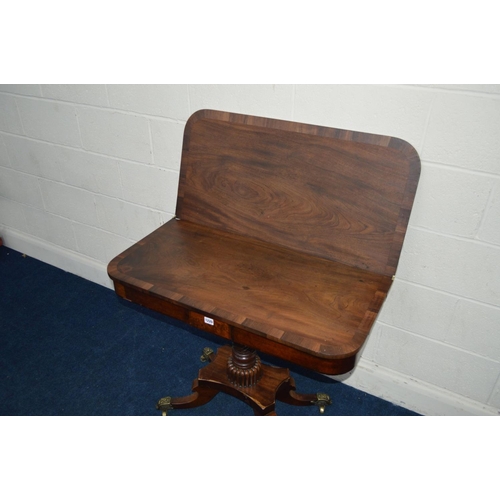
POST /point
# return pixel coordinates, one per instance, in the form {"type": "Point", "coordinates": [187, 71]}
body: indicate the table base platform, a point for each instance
{"type": "Point", "coordinates": [237, 371]}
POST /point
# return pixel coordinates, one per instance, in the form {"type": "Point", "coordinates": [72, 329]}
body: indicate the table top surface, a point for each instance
{"type": "Point", "coordinates": [291, 232]}
{"type": "Point", "coordinates": [342, 195]}
{"type": "Point", "coordinates": [314, 304]}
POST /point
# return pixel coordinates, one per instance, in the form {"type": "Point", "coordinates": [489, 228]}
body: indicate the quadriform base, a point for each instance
{"type": "Point", "coordinates": [237, 371]}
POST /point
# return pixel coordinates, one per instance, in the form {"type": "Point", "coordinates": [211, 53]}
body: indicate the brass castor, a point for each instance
{"type": "Point", "coordinates": [322, 400]}
{"type": "Point", "coordinates": [164, 405]}
{"type": "Point", "coordinates": [207, 354]}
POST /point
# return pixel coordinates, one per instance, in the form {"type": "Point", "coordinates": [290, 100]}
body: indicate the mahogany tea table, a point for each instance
{"type": "Point", "coordinates": [285, 241]}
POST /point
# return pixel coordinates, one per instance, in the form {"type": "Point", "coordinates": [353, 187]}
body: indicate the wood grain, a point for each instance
{"type": "Point", "coordinates": [286, 236]}
{"type": "Point", "coordinates": [339, 199]}
{"type": "Point", "coordinates": [311, 304]}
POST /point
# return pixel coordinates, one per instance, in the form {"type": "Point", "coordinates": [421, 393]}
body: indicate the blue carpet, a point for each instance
{"type": "Point", "coordinates": [71, 347]}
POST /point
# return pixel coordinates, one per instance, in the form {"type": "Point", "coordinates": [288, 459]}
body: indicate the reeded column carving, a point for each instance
{"type": "Point", "coordinates": [244, 368]}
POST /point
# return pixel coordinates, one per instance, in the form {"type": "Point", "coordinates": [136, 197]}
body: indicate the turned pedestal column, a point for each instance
{"type": "Point", "coordinates": [244, 368]}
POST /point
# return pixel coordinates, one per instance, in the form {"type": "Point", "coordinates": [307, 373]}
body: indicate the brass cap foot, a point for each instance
{"type": "Point", "coordinates": [164, 404]}
{"type": "Point", "coordinates": [322, 401]}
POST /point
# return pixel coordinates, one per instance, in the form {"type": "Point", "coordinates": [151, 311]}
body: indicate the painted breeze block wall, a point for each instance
{"type": "Point", "coordinates": [87, 170]}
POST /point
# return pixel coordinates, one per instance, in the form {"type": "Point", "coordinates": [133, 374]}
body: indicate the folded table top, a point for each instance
{"type": "Point", "coordinates": [286, 236]}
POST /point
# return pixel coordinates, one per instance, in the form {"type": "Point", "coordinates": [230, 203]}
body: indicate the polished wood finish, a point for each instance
{"type": "Point", "coordinates": [275, 384]}
{"type": "Point", "coordinates": [345, 196]}
{"type": "Point", "coordinates": [285, 240]}
{"type": "Point", "coordinates": [227, 283]}
{"type": "Point", "coordinates": [244, 368]}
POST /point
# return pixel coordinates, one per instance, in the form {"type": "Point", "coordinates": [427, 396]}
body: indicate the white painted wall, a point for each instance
{"type": "Point", "coordinates": [87, 170]}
